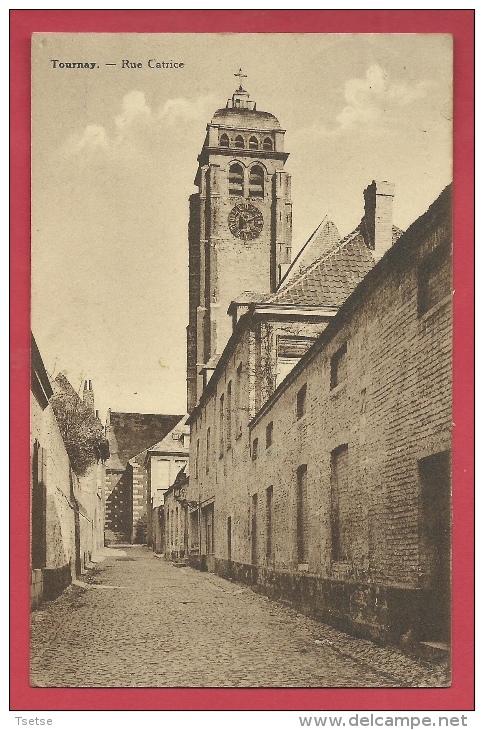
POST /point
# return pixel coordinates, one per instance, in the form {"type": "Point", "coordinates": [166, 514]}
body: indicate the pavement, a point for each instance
{"type": "Point", "coordinates": [136, 620]}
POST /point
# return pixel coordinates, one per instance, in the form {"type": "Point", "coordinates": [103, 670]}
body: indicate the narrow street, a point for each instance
{"type": "Point", "coordinates": [138, 621]}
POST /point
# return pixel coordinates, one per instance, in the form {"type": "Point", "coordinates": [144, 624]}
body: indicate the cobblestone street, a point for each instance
{"type": "Point", "coordinates": [138, 621]}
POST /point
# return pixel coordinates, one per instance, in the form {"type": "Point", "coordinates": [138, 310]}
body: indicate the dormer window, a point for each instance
{"type": "Point", "coordinates": [224, 141]}
{"type": "Point", "coordinates": [236, 179]}
{"type": "Point", "coordinates": [253, 143]}
{"type": "Point", "coordinates": [256, 182]}
{"type": "Point", "coordinates": [267, 144]}
{"type": "Point", "coordinates": [239, 142]}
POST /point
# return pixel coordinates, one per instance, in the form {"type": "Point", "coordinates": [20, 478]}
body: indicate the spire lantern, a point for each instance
{"type": "Point", "coordinates": [240, 97]}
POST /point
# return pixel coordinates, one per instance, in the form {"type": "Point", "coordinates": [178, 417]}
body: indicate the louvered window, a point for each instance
{"type": "Point", "coordinates": [256, 182]}
{"type": "Point", "coordinates": [236, 180]}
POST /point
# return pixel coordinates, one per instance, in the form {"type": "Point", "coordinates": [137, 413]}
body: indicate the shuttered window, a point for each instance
{"type": "Point", "coordinates": [340, 523]}
{"type": "Point", "coordinates": [302, 515]}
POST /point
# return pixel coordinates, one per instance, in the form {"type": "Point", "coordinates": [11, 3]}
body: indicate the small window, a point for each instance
{"type": "Point", "coordinates": [267, 145]}
{"type": "Point", "coordinates": [207, 453]}
{"type": "Point", "coordinates": [236, 180]}
{"type": "Point", "coordinates": [238, 402]}
{"type": "Point", "coordinates": [239, 142]}
{"type": "Point", "coordinates": [269, 432]}
{"type": "Point", "coordinates": [253, 143]}
{"type": "Point", "coordinates": [224, 140]}
{"type": "Point", "coordinates": [255, 449]}
{"type": "Point", "coordinates": [221, 423]}
{"type": "Point", "coordinates": [229, 415]}
{"type": "Point", "coordinates": [301, 402]}
{"type": "Point", "coordinates": [338, 366]}
{"type": "Point", "coordinates": [269, 521]}
{"type": "Point", "coordinates": [434, 278]}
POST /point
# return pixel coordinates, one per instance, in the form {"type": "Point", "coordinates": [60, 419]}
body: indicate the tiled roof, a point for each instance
{"type": "Point", "coordinates": [329, 280]}
{"type": "Point", "coordinates": [131, 433]}
{"type": "Point", "coordinates": [247, 297]}
{"type": "Point", "coordinates": [324, 239]}
{"type": "Point", "coordinates": [169, 442]}
{"type": "Point", "coordinates": [212, 363]}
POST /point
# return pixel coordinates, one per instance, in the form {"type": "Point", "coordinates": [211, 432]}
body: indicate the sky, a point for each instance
{"type": "Point", "coordinates": [114, 155]}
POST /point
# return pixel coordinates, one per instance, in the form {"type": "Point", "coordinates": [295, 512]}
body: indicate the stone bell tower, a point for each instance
{"type": "Point", "coordinates": [240, 226]}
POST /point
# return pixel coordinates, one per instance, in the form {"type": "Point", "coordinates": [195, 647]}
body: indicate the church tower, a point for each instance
{"type": "Point", "coordinates": [240, 225]}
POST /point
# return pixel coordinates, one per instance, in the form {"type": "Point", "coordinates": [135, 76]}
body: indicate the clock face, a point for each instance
{"type": "Point", "coordinates": [246, 221]}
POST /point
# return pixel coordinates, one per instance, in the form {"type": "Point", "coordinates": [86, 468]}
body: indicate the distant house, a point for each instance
{"type": "Point", "coordinates": [164, 463]}
{"type": "Point", "coordinates": [175, 518]}
{"type": "Point", "coordinates": [130, 435]}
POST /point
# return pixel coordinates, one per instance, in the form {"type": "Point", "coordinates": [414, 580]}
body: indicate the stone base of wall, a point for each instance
{"type": "Point", "coordinates": [199, 562]}
{"type": "Point", "coordinates": [55, 581]}
{"type": "Point", "coordinates": [382, 613]}
{"type": "Point", "coordinates": [116, 538]}
{"type": "Point", "coordinates": [36, 587]}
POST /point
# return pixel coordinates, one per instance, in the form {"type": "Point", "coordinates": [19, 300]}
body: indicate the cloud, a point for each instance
{"type": "Point", "coordinates": [175, 110]}
{"type": "Point", "coordinates": [370, 99]}
{"type": "Point", "coordinates": [371, 102]}
{"type": "Point", "coordinates": [136, 118]}
{"type": "Point", "coordinates": [91, 137]}
{"type": "Point", "coordinates": [134, 110]}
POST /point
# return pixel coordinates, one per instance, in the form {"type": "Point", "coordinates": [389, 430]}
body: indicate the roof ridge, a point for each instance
{"type": "Point", "coordinates": [322, 259]}
{"type": "Point", "coordinates": [301, 251]}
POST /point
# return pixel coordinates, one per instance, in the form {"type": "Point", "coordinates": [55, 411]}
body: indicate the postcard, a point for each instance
{"type": "Point", "coordinates": [245, 284]}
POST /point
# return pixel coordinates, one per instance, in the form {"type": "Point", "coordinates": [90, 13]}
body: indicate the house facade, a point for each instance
{"type": "Point", "coordinates": [162, 464]}
{"type": "Point", "coordinates": [67, 501]}
{"type": "Point", "coordinates": [329, 485]}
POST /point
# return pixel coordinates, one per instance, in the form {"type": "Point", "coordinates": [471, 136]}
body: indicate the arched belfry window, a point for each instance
{"type": "Point", "coordinates": [239, 142]}
{"type": "Point", "coordinates": [224, 141]}
{"type": "Point", "coordinates": [256, 182]}
{"type": "Point", "coordinates": [267, 145]}
{"type": "Point", "coordinates": [253, 143]}
{"type": "Point", "coordinates": [236, 179]}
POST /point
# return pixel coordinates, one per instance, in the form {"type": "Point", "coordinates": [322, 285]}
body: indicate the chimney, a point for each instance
{"type": "Point", "coordinates": [377, 222]}
{"type": "Point", "coordinates": [88, 395]}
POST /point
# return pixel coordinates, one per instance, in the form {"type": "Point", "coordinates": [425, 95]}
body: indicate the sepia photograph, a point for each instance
{"type": "Point", "coordinates": [241, 360]}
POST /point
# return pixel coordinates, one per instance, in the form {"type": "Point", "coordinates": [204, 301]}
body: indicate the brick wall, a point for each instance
{"type": "Point", "coordinates": [118, 523]}
{"type": "Point", "coordinates": [378, 390]}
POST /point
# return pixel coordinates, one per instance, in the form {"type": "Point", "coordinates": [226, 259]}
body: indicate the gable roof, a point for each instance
{"type": "Point", "coordinates": [131, 433]}
{"type": "Point", "coordinates": [324, 239]}
{"type": "Point", "coordinates": [330, 279]}
{"type": "Point", "coordinates": [169, 442]}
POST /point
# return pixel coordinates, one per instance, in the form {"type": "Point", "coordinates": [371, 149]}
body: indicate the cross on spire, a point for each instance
{"type": "Point", "coordinates": [241, 76]}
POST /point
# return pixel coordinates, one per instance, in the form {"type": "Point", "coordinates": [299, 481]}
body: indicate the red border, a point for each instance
{"type": "Point", "coordinates": [459, 23]}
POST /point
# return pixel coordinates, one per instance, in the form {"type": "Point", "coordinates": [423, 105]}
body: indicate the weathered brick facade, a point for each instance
{"type": "Point", "coordinates": [333, 491]}
{"type": "Point", "coordinates": [67, 511]}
